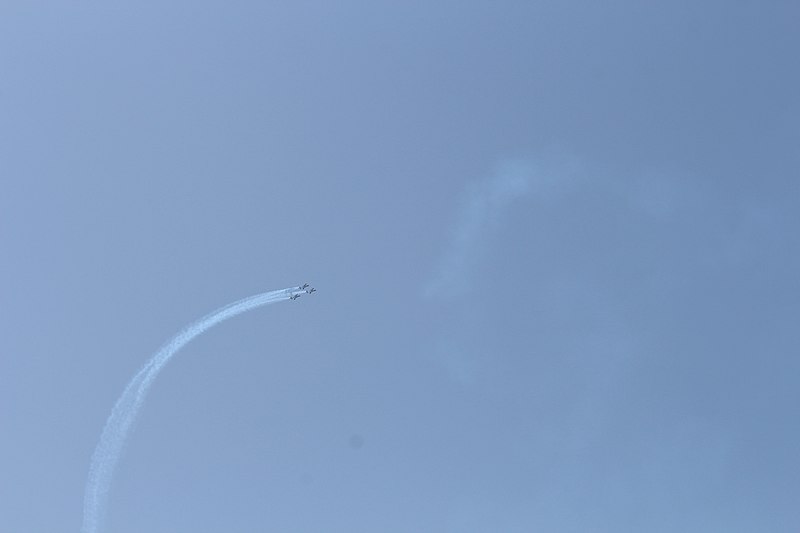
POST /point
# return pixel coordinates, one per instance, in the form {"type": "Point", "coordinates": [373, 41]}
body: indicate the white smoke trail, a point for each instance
{"type": "Point", "coordinates": [112, 440]}
{"type": "Point", "coordinates": [483, 205]}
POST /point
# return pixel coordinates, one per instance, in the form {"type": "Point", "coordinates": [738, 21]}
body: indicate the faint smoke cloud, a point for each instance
{"type": "Point", "coordinates": [482, 207]}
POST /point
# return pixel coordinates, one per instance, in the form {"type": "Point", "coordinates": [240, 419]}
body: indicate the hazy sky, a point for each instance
{"type": "Point", "coordinates": [555, 246]}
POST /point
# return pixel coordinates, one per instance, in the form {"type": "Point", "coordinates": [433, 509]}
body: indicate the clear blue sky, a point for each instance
{"type": "Point", "coordinates": [555, 243]}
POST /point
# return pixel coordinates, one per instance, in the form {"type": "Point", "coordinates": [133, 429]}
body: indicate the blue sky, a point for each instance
{"type": "Point", "coordinates": [554, 242]}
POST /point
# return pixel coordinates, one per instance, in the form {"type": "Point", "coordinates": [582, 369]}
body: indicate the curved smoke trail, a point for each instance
{"type": "Point", "coordinates": [112, 440]}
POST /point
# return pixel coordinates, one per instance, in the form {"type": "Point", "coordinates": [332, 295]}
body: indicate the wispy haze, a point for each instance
{"type": "Point", "coordinates": [483, 205]}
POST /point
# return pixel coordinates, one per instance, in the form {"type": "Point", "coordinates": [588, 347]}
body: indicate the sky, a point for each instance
{"type": "Point", "coordinates": [555, 247]}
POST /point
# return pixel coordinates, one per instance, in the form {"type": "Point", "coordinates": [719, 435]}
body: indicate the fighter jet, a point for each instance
{"type": "Point", "coordinates": [303, 286]}
{"type": "Point", "coordinates": [294, 296]}
{"type": "Point", "coordinates": [312, 289]}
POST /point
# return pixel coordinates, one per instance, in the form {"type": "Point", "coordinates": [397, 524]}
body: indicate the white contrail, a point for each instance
{"type": "Point", "coordinates": [112, 440]}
